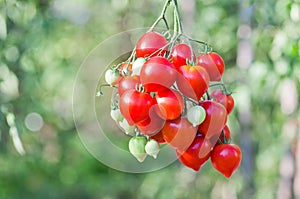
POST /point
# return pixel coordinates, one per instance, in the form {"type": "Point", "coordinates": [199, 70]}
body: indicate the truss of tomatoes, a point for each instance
{"type": "Point", "coordinates": [162, 98]}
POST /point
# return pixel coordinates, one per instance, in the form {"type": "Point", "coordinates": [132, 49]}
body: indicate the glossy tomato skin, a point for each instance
{"type": "Point", "coordinates": [181, 53]}
{"type": "Point", "coordinates": [157, 74]}
{"type": "Point", "coordinates": [192, 81]}
{"type": "Point", "coordinates": [196, 154]}
{"type": "Point", "coordinates": [215, 120]}
{"type": "Point", "coordinates": [213, 64]}
{"type": "Point", "coordinates": [170, 104]}
{"type": "Point", "coordinates": [226, 158]}
{"type": "Point", "coordinates": [135, 106]}
{"type": "Point", "coordinates": [152, 125]}
{"type": "Point", "coordinates": [219, 138]}
{"type": "Point", "coordinates": [179, 133]}
{"type": "Point", "coordinates": [149, 43]}
{"type": "Point", "coordinates": [128, 83]}
{"type": "Point", "coordinates": [225, 100]}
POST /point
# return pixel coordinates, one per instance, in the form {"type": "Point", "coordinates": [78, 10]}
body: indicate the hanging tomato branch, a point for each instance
{"type": "Point", "coordinates": [162, 97]}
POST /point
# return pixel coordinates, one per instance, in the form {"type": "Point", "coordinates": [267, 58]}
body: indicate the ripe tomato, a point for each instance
{"type": "Point", "coordinates": [181, 53]}
{"type": "Point", "coordinates": [135, 106]}
{"type": "Point", "coordinates": [152, 125]}
{"type": "Point", "coordinates": [149, 43]}
{"type": "Point", "coordinates": [170, 104]}
{"type": "Point", "coordinates": [226, 158]}
{"type": "Point", "coordinates": [219, 138]}
{"type": "Point", "coordinates": [157, 73]}
{"type": "Point", "coordinates": [215, 120]}
{"type": "Point", "coordinates": [225, 100]}
{"type": "Point", "coordinates": [125, 69]}
{"type": "Point", "coordinates": [179, 133]}
{"type": "Point", "coordinates": [128, 83]}
{"type": "Point", "coordinates": [192, 81]}
{"type": "Point", "coordinates": [196, 154]}
{"type": "Point", "coordinates": [213, 64]}
{"type": "Point", "coordinates": [158, 137]}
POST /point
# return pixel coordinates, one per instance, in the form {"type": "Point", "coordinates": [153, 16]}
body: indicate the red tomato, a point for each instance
{"type": "Point", "coordinates": [215, 120]}
{"type": "Point", "coordinates": [128, 83]}
{"type": "Point", "coordinates": [213, 64]}
{"type": "Point", "coordinates": [125, 69]}
{"type": "Point", "coordinates": [152, 125]}
{"type": "Point", "coordinates": [180, 54]}
{"type": "Point", "coordinates": [219, 138]}
{"type": "Point", "coordinates": [196, 155]}
{"type": "Point", "coordinates": [150, 44]}
{"type": "Point", "coordinates": [135, 106]}
{"type": "Point", "coordinates": [179, 133]}
{"type": "Point", "coordinates": [170, 104]}
{"type": "Point", "coordinates": [192, 81]}
{"type": "Point", "coordinates": [226, 158]}
{"type": "Point", "coordinates": [158, 137]}
{"type": "Point", "coordinates": [158, 73]}
{"type": "Point", "coordinates": [225, 100]}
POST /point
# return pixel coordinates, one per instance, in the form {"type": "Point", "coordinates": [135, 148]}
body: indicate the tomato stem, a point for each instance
{"type": "Point", "coordinates": [161, 16]}
{"type": "Point", "coordinates": [207, 95]}
{"type": "Point", "coordinates": [225, 91]}
{"type": "Point", "coordinates": [100, 93]}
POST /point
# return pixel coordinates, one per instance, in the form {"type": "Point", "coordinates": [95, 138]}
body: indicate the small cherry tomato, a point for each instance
{"type": "Point", "coordinates": [128, 83]}
{"type": "Point", "coordinates": [135, 106]}
{"type": "Point", "coordinates": [158, 73]}
{"type": "Point", "coordinates": [125, 69]}
{"type": "Point", "coordinates": [226, 100]}
{"type": "Point", "coordinates": [170, 104]}
{"type": "Point", "coordinates": [192, 81]}
{"type": "Point", "coordinates": [226, 158]}
{"type": "Point", "coordinates": [215, 120]}
{"type": "Point", "coordinates": [181, 53]}
{"type": "Point", "coordinates": [151, 43]}
{"type": "Point", "coordinates": [213, 64]}
{"type": "Point", "coordinates": [179, 133]}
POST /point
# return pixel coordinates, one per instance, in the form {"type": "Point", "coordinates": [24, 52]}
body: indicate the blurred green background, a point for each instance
{"type": "Point", "coordinates": [42, 45]}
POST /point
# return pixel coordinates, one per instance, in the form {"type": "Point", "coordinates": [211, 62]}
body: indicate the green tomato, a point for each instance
{"type": "Point", "coordinates": [116, 115]}
{"type": "Point", "coordinates": [129, 130]}
{"type": "Point", "coordinates": [137, 66]}
{"type": "Point", "coordinates": [137, 147]}
{"type": "Point", "coordinates": [152, 148]}
{"type": "Point", "coordinates": [196, 115]}
{"type": "Point", "coordinates": [112, 76]}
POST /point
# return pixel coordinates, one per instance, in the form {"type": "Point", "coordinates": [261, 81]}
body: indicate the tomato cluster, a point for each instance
{"type": "Point", "coordinates": [165, 95]}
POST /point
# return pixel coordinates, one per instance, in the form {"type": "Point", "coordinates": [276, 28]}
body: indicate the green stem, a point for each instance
{"type": "Point", "coordinates": [178, 20]}
{"type": "Point", "coordinates": [100, 93]}
{"type": "Point", "coordinates": [161, 16]}
{"type": "Point", "coordinates": [225, 91]}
